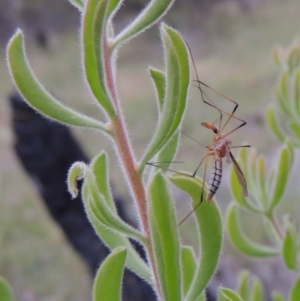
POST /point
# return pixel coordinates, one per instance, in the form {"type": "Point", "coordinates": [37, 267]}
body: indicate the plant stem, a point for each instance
{"type": "Point", "coordinates": [127, 159]}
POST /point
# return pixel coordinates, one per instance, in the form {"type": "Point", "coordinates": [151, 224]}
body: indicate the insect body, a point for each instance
{"type": "Point", "coordinates": [221, 148]}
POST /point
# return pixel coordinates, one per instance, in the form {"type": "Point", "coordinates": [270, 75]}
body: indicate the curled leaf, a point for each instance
{"type": "Point", "coordinates": [76, 173]}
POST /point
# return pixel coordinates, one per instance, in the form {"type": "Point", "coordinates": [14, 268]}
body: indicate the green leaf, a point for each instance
{"type": "Point", "coordinates": [99, 166]}
{"type": "Point", "coordinates": [5, 290]}
{"type": "Point", "coordinates": [77, 3]}
{"type": "Point", "coordinates": [209, 224]}
{"type": "Point", "coordinates": [243, 286]}
{"type": "Point", "coordinates": [114, 239]}
{"type": "Point", "coordinates": [283, 95]}
{"type": "Point", "coordinates": [167, 153]}
{"type": "Point", "coordinates": [177, 73]}
{"type": "Point", "coordinates": [75, 173]}
{"type": "Point", "coordinates": [226, 294]}
{"type": "Point", "coordinates": [295, 127]}
{"type": "Point", "coordinates": [262, 180]}
{"type": "Point", "coordinates": [159, 80]}
{"type": "Point", "coordinates": [237, 192]}
{"type": "Point", "coordinates": [105, 214]}
{"type": "Point", "coordinates": [295, 292]}
{"type": "Point", "coordinates": [108, 281]}
{"type": "Point", "coordinates": [240, 241]}
{"type": "Point", "coordinates": [297, 91]}
{"type": "Point", "coordinates": [257, 291]}
{"type": "Point", "coordinates": [94, 25]}
{"type": "Point", "coordinates": [273, 124]}
{"type": "Point", "coordinates": [154, 11]}
{"type": "Point", "coordinates": [277, 296]}
{"type": "Point", "coordinates": [281, 177]}
{"type": "Point", "coordinates": [188, 263]}
{"type": "Point", "coordinates": [164, 236]}
{"type": "Point", "coordinates": [289, 248]}
{"type": "Point", "coordinates": [36, 95]}
{"type": "Point", "coordinates": [294, 59]}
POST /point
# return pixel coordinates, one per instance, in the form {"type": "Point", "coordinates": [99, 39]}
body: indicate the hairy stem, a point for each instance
{"type": "Point", "coordinates": [128, 161]}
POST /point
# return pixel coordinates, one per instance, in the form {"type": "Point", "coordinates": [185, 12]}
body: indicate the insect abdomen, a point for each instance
{"type": "Point", "coordinates": [215, 179]}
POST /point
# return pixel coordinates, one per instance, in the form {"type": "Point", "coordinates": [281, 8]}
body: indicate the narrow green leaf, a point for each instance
{"type": "Point", "coordinates": [94, 23]}
{"type": "Point", "coordinates": [113, 7]}
{"type": "Point", "coordinates": [277, 297]}
{"type": "Point", "coordinates": [226, 294]}
{"type": "Point", "coordinates": [262, 180]}
{"type": "Point", "coordinates": [297, 91]}
{"type": "Point", "coordinates": [113, 239]}
{"type": "Point", "coordinates": [290, 147]}
{"type": "Point", "coordinates": [167, 153]}
{"type": "Point", "coordinates": [252, 175]}
{"type": "Point", "coordinates": [5, 290]}
{"type": "Point", "coordinates": [237, 192]}
{"type": "Point", "coordinates": [295, 292]}
{"type": "Point", "coordinates": [281, 177]}
{"type": "Point", "coordinates": [209, 224]}
{"type": "Point", "coordinates": [165, 238]}
{"type": "Point", "coordinates": [36, 95]}
{"type": "Point", "coordinates": [99, 166]}
{"type": "Point", "coordinates": [295, 127]}
{"type": "Point", "coordinates": [108, 281]}
{"type": "Point", "coordinates": [188, 263]}
{"type": "Point", "coordinates": [177, 73]}
{"type": "Point", "coordinates": [78, 4]}
{"type": "Point", "coordinates": [273, 124]}
{"type": "Point", "coordinates": [257, 291]}
{"type": "Point", "coordinates": [240, 241]}
{"type": "Point", "coordinates": [105, 214]}
{"type": "Point", "coordinates": [154, 11]}
{"type": "Point", "coordinates": [289, 248]}
{"type": "Point", "coordinates": [159, 80]}
{"type": "Point", "coordinates": [283, 95]}
{"type": "Point", "coordinates": [243, 286]}
{"type": "Point", "coordinates": [294, 59]}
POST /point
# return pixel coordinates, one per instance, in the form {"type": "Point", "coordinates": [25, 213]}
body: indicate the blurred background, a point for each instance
{"type": "Point", "coordinates": [232, 44]}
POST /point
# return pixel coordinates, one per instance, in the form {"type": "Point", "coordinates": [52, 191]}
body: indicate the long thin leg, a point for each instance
{"type": "Point", "coordinates": [211, 103]}
{"type": "Point", "coordinates": [237, 146]}
{"type": "Point", "coordinates": [179, 172]}
{"type": "Point", "coordinates": [202, 192]}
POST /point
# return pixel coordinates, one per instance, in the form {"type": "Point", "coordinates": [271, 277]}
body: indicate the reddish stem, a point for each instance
{"type": "Point", "coordinates": [127, 158]}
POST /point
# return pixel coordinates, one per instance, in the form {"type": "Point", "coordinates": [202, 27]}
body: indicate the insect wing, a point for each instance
{"type": "Point", "coordinates": [239, 174]}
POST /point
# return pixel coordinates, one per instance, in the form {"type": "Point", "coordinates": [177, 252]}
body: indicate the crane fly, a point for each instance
{"type": "Point", "coordinates": [219, 149]}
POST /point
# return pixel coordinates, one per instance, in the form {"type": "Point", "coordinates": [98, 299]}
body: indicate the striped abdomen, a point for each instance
{"type": "Point", "coordinates": [215, 179]}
